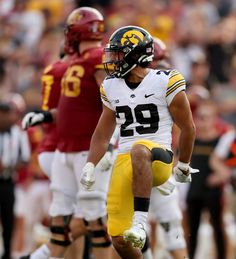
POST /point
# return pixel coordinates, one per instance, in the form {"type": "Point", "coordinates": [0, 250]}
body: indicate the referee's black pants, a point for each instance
{"type": "Point", "coordinates": [7, 199]}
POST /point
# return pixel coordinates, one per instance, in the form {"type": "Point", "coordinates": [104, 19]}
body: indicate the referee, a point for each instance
{"type": "Point", "coordinates": [14, 153]}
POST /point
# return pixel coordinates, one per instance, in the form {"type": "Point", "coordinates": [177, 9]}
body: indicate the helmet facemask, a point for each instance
{"type": "Point", "coordinates": [115, 62]}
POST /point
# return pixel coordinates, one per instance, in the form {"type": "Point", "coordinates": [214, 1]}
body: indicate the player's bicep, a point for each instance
{"type": "Point", "coordinates": [180, 111]}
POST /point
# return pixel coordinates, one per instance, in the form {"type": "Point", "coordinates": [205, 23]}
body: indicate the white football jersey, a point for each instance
{"type": "Point", "coordinates": [142, 113]}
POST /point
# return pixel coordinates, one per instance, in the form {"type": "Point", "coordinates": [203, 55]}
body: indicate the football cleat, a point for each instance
{"type": "Point", "coordinates": [136, 235]}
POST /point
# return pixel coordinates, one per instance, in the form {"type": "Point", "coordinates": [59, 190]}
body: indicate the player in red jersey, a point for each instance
{"type": "Point", "coordinates": [79, 103]}
{"type": "Point", "coordinates": [51, 90]}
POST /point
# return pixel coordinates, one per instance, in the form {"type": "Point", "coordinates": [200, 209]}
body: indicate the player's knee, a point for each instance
{"type": "Point", "coordinates": [98, 234]}
{"type": "Point", "coordinates": [174, 235]}
{"type": "Point", "coordinates": [139, 153]}
{"type": "Point", "coordinates": [77, 227]}
{"type": "Point", "coordinates": [60, 231]}
{"type": "Point", "coordinates": [92, 205]}
{"type": "Point", "coordinates": [119, 243]}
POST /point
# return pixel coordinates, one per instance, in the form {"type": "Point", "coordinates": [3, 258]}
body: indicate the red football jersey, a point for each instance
{"type": "Point", "coordinates": [51, 91]}
{"type": "Point", "coordinates": [80, 105]}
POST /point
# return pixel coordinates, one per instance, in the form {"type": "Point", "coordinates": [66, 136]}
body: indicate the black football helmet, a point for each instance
{"type": "Point", "coordinates": [128, 47]}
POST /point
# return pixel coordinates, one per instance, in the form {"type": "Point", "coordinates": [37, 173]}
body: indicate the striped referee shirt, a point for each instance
{"type": "Point", "coordinates": [14, 148]}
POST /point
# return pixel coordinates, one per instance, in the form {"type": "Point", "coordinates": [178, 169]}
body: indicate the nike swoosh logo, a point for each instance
{"type": "Point", "coordinates": [148, 95]}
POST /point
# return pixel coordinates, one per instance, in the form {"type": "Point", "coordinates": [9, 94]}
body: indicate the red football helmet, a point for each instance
{"type": "Point", "coordinates": [160, 49]}
{"type": "Point", "coordinates": [84, 23]}
{"type": "Point", "coordinates": [161, 55]}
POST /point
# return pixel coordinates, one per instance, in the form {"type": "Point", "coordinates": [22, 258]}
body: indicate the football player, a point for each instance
{"type": "Point", "coordinates": [51, 91]}
{"type": "Point", "coordinates": [77, 115]}
{"type": "Point", "coordinates": [143, 102]}
{"type": "Point", "coordinates": [165, 208]}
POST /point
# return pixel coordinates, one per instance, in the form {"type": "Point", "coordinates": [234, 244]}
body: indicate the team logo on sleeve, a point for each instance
{"type": "Point", "coordinates": [132, 37]}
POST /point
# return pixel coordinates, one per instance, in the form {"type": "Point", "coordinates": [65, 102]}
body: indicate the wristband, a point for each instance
{"type": "Point", "coordinates": [48, 118]}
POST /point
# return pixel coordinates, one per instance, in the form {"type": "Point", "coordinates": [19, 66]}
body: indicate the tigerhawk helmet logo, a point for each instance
{"type": "Point", "coordinates": [132, 37]}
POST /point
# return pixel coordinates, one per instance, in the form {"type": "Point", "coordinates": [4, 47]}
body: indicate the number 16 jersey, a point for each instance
{"type": "Point", "coordinates": [142, 113]}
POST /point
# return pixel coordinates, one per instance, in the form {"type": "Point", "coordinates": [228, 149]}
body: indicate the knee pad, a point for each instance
{"type": "Point", "coordinates": [92, 205]}
{"type": "Point", "coordinates": [174, 235]}
{"type": "Point", "coordinates": [159, 154]}
{"type": "Point", "coordinates": [99, 236]}
{"type": "Point", "coordinates": [61, 234]}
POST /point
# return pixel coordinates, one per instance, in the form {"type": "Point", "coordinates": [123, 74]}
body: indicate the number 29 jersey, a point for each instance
{"type": "Point", "coordinates": [142, 113]}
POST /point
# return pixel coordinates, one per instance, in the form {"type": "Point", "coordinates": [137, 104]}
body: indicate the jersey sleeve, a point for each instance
{"type": "Point", "coordinates": [51, 84]}
{"type": "Point", "coordinates": [175, 85]}
{"type": "Point", "coordinates": [104, 98]}
{"type": "Point", "coordinates": [47, 80]}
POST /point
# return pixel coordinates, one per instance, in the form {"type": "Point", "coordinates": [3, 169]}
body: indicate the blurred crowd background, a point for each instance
{"type": "Point", "coordinates": [200, 36]}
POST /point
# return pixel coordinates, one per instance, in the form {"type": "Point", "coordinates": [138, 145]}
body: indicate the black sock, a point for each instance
{"type": "Point", "coordinates": [141, 204]}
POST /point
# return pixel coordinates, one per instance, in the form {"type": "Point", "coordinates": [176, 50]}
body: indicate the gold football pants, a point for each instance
{"type": "Point", "coordinates": [120, 205]}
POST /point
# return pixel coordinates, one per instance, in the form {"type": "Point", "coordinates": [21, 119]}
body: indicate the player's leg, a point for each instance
{"type": "Point", "coordinates": [45, 162]}
{"type": "Point", "coordinates": [76, 249]}
{"type": "Point", "coordinates": [120, 207]}
{"type": "Point", "coordinates": [174, 239]}
{"type": "Point", "coordinates": [92, 207]}
{"type": "Point", "coordinates": [165, 209]}
{"type": "Point", "coordinates": [151, 165]}
{"type": "Point", "coordinates": [20, 209]}
{"type": "Point", "coordinates": [64, 189]}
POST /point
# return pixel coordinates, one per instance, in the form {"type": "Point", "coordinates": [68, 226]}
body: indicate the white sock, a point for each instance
{"type": "Point", "coordinates": [42, 252]}
{"type": "Point", "coordinates": [140, 217]}
{"type": "Point", "coordinates": [148, 254]}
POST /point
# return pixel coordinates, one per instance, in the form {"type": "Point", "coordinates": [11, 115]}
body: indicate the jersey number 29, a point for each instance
{"type": "Point", "coordinates": [149, 124]}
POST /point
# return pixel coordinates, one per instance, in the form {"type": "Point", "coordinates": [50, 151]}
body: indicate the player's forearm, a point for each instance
{"type": "Point", "coordinates": [98, 147]}
{"type": "Point", "coordinates": [186, 142]}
